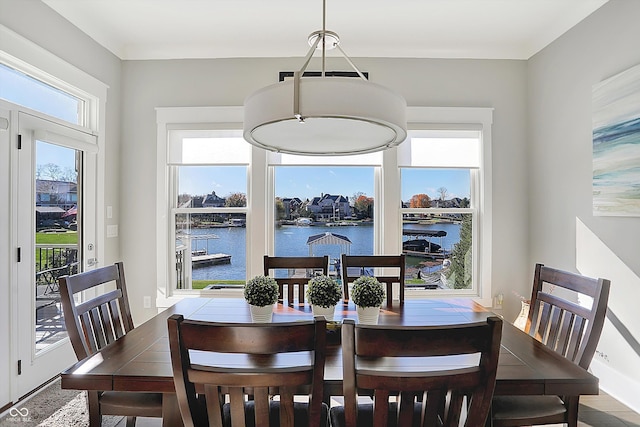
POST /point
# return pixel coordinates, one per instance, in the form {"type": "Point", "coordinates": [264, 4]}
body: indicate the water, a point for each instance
{"type": "Point", "coordinates": [292, 241]}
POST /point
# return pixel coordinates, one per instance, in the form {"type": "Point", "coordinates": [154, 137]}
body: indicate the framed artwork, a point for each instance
{"type": "Point", "coordinates": [616, 145]}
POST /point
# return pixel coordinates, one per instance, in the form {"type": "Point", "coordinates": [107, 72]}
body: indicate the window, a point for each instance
{"type": "Point", "coordinates": [319, 201]}
{"type": "Point", "coordinates": [22, 89]}
{"type": "Point", "coordinates": [440, 186]}
{"type": "Point", "coordinates": [209, 208]}
{"type": "Point", "coordinates": [282, 197]}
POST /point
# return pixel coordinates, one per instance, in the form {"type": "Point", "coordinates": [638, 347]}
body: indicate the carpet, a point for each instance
{"type": "Point", "coordinates": [52, 407]}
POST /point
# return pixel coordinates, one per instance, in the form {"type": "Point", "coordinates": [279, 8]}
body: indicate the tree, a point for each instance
{"type": "Point", "coordinates": [460, 271]}
{"type": "Point", "coordinates": [234, 200]}
{"type": "Point", "coordinates": [420, 201]}
{"type": "Point", "coordinates": [357, 194]}
{"type": "Point", "coordinates": [280, 214]}
{"type": "Point", "coordinates": [443, 192]}
{"type": "Point", "coordinates": [49, 171]}
{"type": "Point", "coordinates": [363, 206]}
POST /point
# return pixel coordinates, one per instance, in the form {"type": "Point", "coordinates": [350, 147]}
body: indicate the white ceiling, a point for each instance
{"type": "Point", "coordinates": [165, 29]}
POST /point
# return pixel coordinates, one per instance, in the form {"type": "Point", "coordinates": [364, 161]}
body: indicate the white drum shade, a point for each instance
{"type": "Point", "coordinates": [340, 116]}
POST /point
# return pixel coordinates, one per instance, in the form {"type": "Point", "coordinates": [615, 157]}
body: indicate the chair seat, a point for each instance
{"type": "Point", "coordinates": [300, 414]}
{"type": "Point", "coordinates": [365, 415]}
{"type": "Point", "coordinates": [515, 408]}
{"type": "Point", "coordinates": [131, 404]}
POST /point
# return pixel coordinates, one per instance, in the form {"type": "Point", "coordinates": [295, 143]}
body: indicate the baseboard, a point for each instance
{"type": "Point", "coordinates": [616, 384]}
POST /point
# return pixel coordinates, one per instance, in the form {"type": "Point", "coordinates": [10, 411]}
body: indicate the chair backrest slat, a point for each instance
{"type": "Point", "coordinates": [99, 321]}
{"type": "Point", "coordinates": [374, 361]}
{"type": "Point", "coordinates": [97, 326]}
{"type": "Point", "coordinates": [215, 411]}
{"type": "Point", "coordinates": [114, 309]}
{"type": "Point", "coordinates": [87, 334]}
{"type": "Point", "coordinates": [354, 266]}
{"type": "Point", "coordinates": [559, 321]}
{"type": "Point", "coordinates": [282, 358]}
{"type": "Point", "coordinates": [308, 266]}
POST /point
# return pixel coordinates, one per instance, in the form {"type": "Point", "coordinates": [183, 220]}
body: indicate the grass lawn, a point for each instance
{"type": "Point", "coordinates": [68, 238]}
{"type": "Point", "coordinates": [201, 284]}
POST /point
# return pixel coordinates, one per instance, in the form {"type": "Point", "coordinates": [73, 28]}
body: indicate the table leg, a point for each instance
{"type": "Point", "coordinates": [170, 411]}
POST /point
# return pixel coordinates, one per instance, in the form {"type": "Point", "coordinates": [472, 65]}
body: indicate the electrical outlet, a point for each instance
{"type": "Point", "coordinates": [146, 302]}
{"type": "Point", "coordinates": [112, 230]}
{"type": "Point", "coordinates": [602, 355]}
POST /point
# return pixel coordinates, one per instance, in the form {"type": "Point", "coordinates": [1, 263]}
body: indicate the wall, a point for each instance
{"type": "Point", "coordinates": [563, 231]}
{"type": "Point", "coordinates": [226, 82]}
{"type": "Point", "coordinates": [37, 23]}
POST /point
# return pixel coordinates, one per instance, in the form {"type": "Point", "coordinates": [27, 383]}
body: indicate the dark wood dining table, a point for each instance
{"type": "Point", "coordinates": [140, 361]}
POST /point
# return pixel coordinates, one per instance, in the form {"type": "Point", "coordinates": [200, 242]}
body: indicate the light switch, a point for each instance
{"type": "Point", "coordinates": [109, 212]}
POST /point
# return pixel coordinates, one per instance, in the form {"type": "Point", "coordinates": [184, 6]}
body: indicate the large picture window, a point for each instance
{"type": "Point", "coordinates": [324, 210]}
{"type": "Point", "coordinates": [429, 198]}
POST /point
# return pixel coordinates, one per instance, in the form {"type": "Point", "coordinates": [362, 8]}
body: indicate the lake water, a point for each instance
{"type": "Point", "coordinates": [292, 241]}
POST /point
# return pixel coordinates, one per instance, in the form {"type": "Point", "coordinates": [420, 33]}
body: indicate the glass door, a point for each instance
{"type": "Point", "coordinates": [53, 241]}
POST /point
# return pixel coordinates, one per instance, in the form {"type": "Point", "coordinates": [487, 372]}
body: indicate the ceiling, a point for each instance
{"type": "Point", "coordinates": [170, 29]}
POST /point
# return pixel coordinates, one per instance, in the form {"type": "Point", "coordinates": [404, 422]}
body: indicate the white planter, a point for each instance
{"type": "Point", "coordinates": [327, 312]}
{"type": "Point", "coordinates": [368, 315]}
{"type": "Point", "coordinates": [261, 314]}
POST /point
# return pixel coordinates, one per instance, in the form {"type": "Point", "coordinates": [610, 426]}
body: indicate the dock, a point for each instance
{"type": "Point", "coordinates": [210, 259]}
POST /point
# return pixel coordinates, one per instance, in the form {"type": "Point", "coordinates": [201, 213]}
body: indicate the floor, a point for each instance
{"type": "Point", "coordinates": [595, 411]}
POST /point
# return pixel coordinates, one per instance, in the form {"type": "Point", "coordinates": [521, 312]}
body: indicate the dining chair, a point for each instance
{"type": "Point", "coordinates": [419, 376]}
{"type": "Point", "coordinates": [96, 323]}
{"type": "Point", "coordinates": [286, 359]}
{"type": "Point", "coordinates": [559, 320]}
{"type": "Point", "coordinates": [354, 266]}
{"type": "Point", "coordinates": [301, 270]}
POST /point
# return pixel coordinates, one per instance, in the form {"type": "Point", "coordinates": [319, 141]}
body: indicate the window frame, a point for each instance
{"type": "Point", "coordinates": [175, 210]}
{"type": "Point", "coordinates": [475, 236]}
{"type": "Point", "coordinates": [261, 191]}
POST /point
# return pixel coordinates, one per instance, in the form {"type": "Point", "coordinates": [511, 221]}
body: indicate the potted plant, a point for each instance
{"type": "Point", "coordinates": [323, 294]}
{"type": "Point", "coordinates": [261, 293]}
{"type": "Point", "coordinates": [367, 294]}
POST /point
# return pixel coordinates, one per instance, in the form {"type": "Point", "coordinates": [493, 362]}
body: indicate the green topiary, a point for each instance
{"type": "Point", "coordinates": [261, 291]}
{"type": "Point", "coordinates": [367, 292]}
{"type": "Point", "coordinates": [323, 291]}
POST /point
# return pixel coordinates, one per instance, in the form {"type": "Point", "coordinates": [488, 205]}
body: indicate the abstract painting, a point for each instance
{"type": "Point", "coordinates": [616, 145]}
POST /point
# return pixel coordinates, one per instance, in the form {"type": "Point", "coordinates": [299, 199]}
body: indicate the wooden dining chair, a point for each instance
{"type": "Point", "coordinates": [419, 376]}
{"type": "Point", "coordinates": [96, 323]}
{"type": "Point", "coordinates": [301, 270]}
{"type": "Point", "coordinates": [559, 320]}
{"type": "Point", "coordinates": [286, 359]}
{"type": "Point", "coordinates": [354, 266]}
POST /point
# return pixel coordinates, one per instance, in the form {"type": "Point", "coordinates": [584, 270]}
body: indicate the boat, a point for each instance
{"type": "Point", "coordinates": [304, 221]}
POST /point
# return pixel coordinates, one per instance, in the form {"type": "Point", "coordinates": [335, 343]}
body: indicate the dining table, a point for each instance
{"type": "Point", "coordinates": [140, 361]}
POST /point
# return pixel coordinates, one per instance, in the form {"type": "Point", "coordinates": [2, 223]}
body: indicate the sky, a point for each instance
{"type": "Point", "coordinates": [23, 90]}
{"type": "Point", "coordinates": [307, 182]}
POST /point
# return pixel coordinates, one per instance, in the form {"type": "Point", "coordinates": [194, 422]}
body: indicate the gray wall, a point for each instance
{"type": "Point", "coordinates": [563, 230]}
